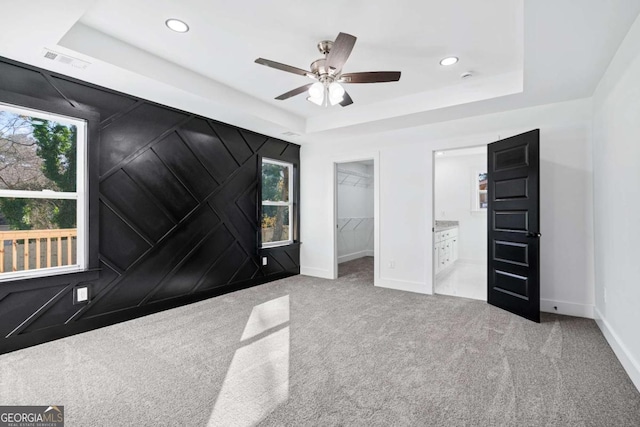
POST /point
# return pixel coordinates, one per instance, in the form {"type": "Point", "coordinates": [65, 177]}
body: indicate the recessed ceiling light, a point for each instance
{"type": "Point", "coordinates": [449, 61]}
{"type": "Point", "coordinates": [177, 25]}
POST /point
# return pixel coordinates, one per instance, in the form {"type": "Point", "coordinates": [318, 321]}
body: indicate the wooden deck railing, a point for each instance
{"type": "Point", "coordinates": [23, 241]}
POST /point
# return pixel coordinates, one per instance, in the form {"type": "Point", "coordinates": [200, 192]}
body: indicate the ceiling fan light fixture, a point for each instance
{"type": "Point", "coordinates": [336, 90]}
{"type": "Point", "coordinates": [334, 100]}
{"type": "Point", "coordinates": [177, 25]}
{"type": "Point", "coordinates": [336, 93]}
{"type": "Point", "coordinates": [316, 90]}
{"type": "Point", "coordinates": [317, 101]}
{"type": "Point", "coordinates": [450, 60]}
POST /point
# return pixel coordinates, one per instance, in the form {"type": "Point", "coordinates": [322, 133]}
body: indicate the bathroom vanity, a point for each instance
{"type": "Point", "coordinates": [445, 245]}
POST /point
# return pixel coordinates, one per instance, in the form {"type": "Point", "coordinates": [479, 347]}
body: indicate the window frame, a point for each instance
{"type": "Point", "coordinates": [80, 195]}
{"type": "Point", "coordinates": [289, 203]}
{"type": "Point", "coordinates": [477, 192]}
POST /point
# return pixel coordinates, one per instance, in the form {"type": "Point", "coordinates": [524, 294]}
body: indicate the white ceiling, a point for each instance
{"type": "Point", "coordinates": [226, 37]}
{"type": "Point", "coordinates": [521, 54]}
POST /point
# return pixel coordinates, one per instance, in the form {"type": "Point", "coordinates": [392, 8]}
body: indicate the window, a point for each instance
{"type": "Point", "coordinates": [277, 205]}
{"type": "Point", "coordinates": [42, 193]}
{"type": "Point", "coordinates": [481, 196]}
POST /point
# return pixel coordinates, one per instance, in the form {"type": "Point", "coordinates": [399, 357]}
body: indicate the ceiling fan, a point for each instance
{"type": "Point", "coordinates": [327, 90]}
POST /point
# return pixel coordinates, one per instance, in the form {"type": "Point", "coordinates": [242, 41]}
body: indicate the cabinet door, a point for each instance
{"type": "Point", "coordinates": [454, 249]}
{"type": "Point", "coordinates": [442, 255]}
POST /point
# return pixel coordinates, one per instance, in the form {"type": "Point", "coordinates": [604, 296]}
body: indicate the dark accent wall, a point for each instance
{"type": "Point", "coordinates": [173, 211]}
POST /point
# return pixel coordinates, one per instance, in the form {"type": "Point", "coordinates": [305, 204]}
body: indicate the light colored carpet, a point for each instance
{"type": "Point", "coordinates": [305, 351]}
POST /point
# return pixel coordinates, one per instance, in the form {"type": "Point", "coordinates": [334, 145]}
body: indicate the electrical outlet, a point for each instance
{"type": "Point", "coordinates": [81, 294]}
{"type": "Point", "coordinates": [264, 260]}
{"type": "Point", "coordinates": [392, 264]}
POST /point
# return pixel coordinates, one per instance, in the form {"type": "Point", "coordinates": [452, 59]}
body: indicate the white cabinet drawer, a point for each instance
{"type": "Point", "coordinates": [445, 248]}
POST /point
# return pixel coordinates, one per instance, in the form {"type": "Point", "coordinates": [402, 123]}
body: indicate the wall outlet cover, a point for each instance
{"type": "Point", "coordinates": [81, 294]}
{"type": "Point", "coordinates": [264, 260]}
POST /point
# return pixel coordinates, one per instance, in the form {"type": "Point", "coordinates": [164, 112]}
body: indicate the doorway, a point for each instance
{"type": "Point", "coordinates": [355, 219]}
{"type": "Point", "coordinates": [460, 228]}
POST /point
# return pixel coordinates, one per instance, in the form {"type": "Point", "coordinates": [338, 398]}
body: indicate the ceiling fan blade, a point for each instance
{"type": "Point", "coordinates": [371, 77]}
{"type": "Point", "coordinates": [340, 51]}
{"type": "Point", "coordinates": [346, 100]}
{"type": "Point", "coordinates": [283, 67]}
{"type": "Point", "coordinates": [294, 92]}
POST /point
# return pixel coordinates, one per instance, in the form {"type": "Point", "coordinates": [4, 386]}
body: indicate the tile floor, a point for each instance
{"type": "Point", "coordinates": [463, 279]}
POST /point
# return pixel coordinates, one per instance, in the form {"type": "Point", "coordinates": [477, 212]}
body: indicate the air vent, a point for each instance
{"type": "Point", "coordinates": [65, 59]}
{"type": "Point", "coordinates": [289, 133]}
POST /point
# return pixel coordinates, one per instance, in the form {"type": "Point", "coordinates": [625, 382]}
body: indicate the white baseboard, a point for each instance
{"type": "Point", "coordinates": [404, 285]}
{"type": "Point", "coordinates": [316, 272]}
{"type": "Point", "coordinates": [566, 308]}
{"type": "Point", "coordinates": [629, 363]}
{"type": "Point", "coordinates": [355, 255]}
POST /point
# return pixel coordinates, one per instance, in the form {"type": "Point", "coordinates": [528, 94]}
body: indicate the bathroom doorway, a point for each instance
{"type": "Point", "coordinates": [460, 228]}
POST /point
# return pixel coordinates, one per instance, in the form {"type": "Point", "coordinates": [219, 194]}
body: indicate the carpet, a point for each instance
{"type": "Point", "coordinates": [308, 351]}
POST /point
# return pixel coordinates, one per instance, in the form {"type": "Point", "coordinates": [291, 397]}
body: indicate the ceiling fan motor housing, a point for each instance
{"type": "Point", "coordinates": [319, 69]}
{"type": "Point", "coordinates": [325, 46]}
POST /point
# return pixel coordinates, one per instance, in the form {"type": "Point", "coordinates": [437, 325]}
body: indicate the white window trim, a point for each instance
{"type": "Point", "coordinates": [288, 203]}
{"type": "Point", "coordinates": [475, 193]}
{"type": "Point", "coordinates": [82, 211]}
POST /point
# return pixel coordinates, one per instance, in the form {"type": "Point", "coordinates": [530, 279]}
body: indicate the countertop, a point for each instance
{"type": "Point", "coordinates": [446, 225]}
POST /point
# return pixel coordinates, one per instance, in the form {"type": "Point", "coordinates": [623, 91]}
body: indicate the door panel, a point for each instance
{"type": "Point", "coordinates": [511, 189]}
{"type": "Point", "coordinates": [513, 224]}
{"type": "Point", "coordinates": [510, 221]}
{"type": "Point", "coordinates": [511, 252]}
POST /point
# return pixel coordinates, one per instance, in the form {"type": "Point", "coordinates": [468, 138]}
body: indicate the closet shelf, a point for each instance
{"type": "Point", "coordinates": [352, 223]}
{"type": "Point", "coordinates": [353, 178]}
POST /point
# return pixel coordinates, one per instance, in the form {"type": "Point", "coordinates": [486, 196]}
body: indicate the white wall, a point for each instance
{"type": "Point", "coordinates": [355, 212]}
{"type": "Point", "coordinates": [616, 164]}
{"type": "Point", "coordinates": [406, 208]}
{"type": "Point", "coordinates": [454, 186]}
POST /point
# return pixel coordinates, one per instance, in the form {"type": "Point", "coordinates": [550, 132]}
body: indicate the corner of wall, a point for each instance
{"type": "Point", "coordinates": [628, 361]}
{"type": "Point", "coordinates": [615, 171]}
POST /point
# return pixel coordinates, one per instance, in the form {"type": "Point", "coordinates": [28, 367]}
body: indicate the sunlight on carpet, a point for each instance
{"type": "Point", "coordinates": [258, 378]}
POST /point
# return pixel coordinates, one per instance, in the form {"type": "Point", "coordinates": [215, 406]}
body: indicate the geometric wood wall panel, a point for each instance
{"type": "Point", "coordinates": [142, 278]}
{"type": "Point", "coordinates": [177, 212]}
{"type": "Point", "coordinates": [209, 149]}
{"type": "Point", "coordinates": [130, 132]}
{"type": "Point", "coordinates": [105, 103]}
{"type": "Point", "coordinates": [233, 141]}
{"type": "Point", "coordinates": [15, 304]}
{"type": "Point", "coordinates": [136, 205]}
{"type": "Point", "coordinates": [157, 180]}
{"type": "Point", "coordinates": [27, 82]}
{"type": "Point", "coordinates": [191, 270]}
{"type": "Point", "coordinates": [123, 245]}
{"type": "Point", "coordinates": [185, 166]}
